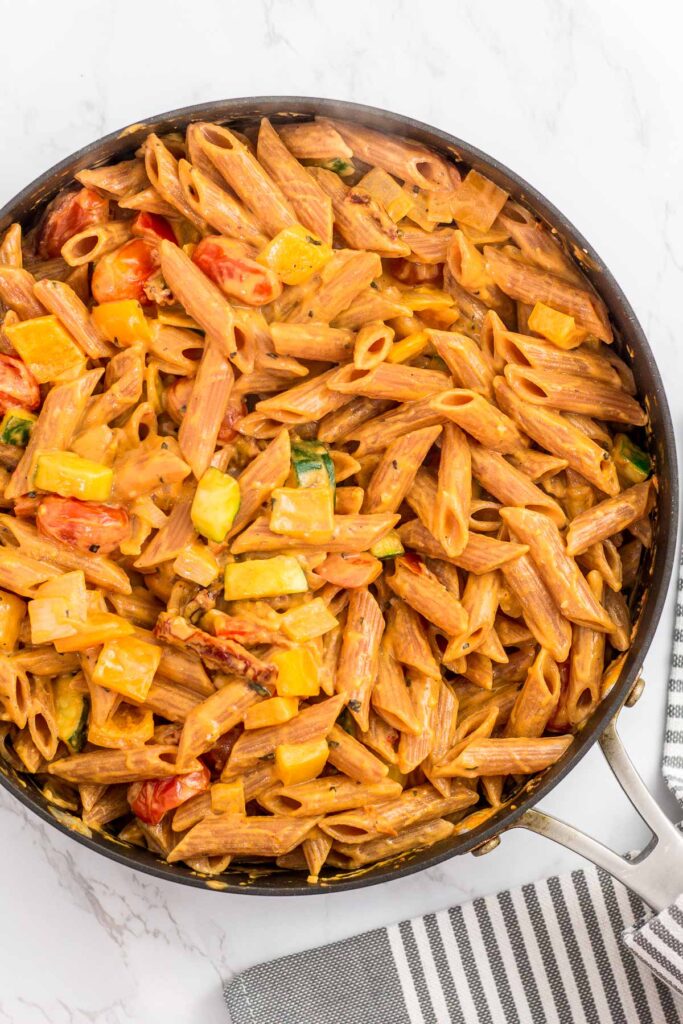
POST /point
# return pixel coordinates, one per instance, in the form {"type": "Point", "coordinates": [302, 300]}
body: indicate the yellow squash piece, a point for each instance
{"type": "Point", "coordinates": [71, 476]}
{"type": "Point", "coordinates": [16, 427]}
{"type": "Point", "coordinates": [12, 612]}
{"type": "Point", "coordinates": [98, 628]}
{"type": "Point", "coordinates": [295, 254]}
{"type": "Point", "coordinates": [274, 711]}
{"type": "Point", "coordinates": [127, 727]}
{"type": "Point", "coordinates": [197, 564]}
{"type": "Point", "coordinates": [308, 621]}
{"type": "Point", "coordinates": [46, 347]}
{"type": "Point", "coordinates": [306, 513]}
{"type": "Point", "coordinates": [300, 762]}
{"type": "Point", "coordinates": [557, 327]}
{"type": "Point", "coordinates": [264, 577]}
{"type": "Point", "coordinates": [298, 672]}
{"type": "Point", "coordinates": [72, 705]}
{"type": "Point", "coordinates": [49, 618]}
{"type": "Point", "coordinates": [215, 504]}
{"type": "Point", "coordinates": [228, 797]}
{"type": "Point", "coordinates": [127, 665]}
{"type": "Point", "coordinates": [71, 587]}
{"type": "Point", "coordinates": [388, 193]}
{"type": "Point", "coordinates": [122, 322]}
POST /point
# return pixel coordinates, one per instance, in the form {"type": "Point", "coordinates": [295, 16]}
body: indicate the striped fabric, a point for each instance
{"type": "Point", "coordinates": [672, 761]}
{"type": "Point", "coordinates": [549, 953]}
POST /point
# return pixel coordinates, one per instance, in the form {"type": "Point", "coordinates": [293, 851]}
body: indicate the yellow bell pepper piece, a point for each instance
{"type": "Point", "coordinates": [228, 797]}
{"type": "Point", "coordinates": [215, 504]}
{"type": "Point", "coordinates": [122, 322]}
{"type": "Point", "coordinates": [129, 726]}
{"type": "Point", "coordinates": [300, 762]}
{"type": "Point", "coordinates": [408, 347]}
{"type": "Point", "coordinates": [308, 621]}
{"type": "Point", "coordinates": [274, 711]}
{"type": "Point", "coordinates": [388, 193]}
{"type": "Point", "coordinates": [264, 577]}
{"type": "Point", "coordinates": [197, 564]}
{"type": "Point", "coordinates": [127, 665]}
{"type": "Point", "coordinates": [298, 672]}
{"type": "Point", "coordinates": [306, 513]}
{"type": "Point", "coordinates": [70, 586]}
{"type": "Point", "coordinates": [557, 327]}
{"type": "Point", "coordinates": [12, 612]}
{"type": "Point", "coordinates": [49, 618]}
{"type": "Point", "coordinates": [71, 476]}
{"type": "Point", "coordinates": [425, 296]}
{"type": "Point", "coordinates": [45, 346]}
{"type": "Point", "coordinates": [98, 628]}
{"type": "Point", "coordinates": [295, 254]}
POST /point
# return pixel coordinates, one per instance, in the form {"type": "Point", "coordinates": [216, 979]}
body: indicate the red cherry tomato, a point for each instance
{"type": "Point", "coordinates": [153, 226]}
{"type": "Point", "coordinates": [68, 214]}
{"type": "Point", "coordinates": [217, 758]}
{"type": "Point", "coordinates": [177, 395]}
{"type": "Point", "coordinates": [350, 570]}
{"type": "Point", "coordinates": [18, 386]}
{"type": "Point", "coordinates": [412, 562]}
{"type": "Point", "coordinates": [149, 801]}
{"type": "Point", "coordinates": [237, 408]}
{"type": "Point", "coordinates": [85, 525]}
{"type": "Point", "coordinates": [240, 277]}
{"type": "Point", "coordinates": [122, 274]}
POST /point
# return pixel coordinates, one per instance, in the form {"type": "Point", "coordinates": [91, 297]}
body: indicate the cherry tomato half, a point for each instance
{"type": "Point", "coordinates": [350, 570]}
{"type": "Point", "coordinates": [18, 386]}
{"type": "Point", "coordinates": [68, 214]}
{"type": "Point", "coordinates": [153, 226]}
{"type": "Point", "coordinates": [150, 800]}
{"type": "Point", "coordinates": [122, 274]}
{"type": "Point", "coordinates": [85, 525]}
{"type": "Point", "coordinates": [224, 261]}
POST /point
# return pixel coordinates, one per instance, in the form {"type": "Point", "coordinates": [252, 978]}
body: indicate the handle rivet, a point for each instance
{"type": "Point", "coordinates": [636, 692]}
{"type": "Point", "coordinates": [488, 847]}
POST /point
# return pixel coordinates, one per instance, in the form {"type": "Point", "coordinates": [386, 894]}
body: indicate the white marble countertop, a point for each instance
{"type": "Point", "coordinates": [581, 99]}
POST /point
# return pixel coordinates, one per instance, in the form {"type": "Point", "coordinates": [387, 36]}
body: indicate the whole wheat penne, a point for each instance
{"type": "Point", "coordinates": [414, 838]}
{"type": "Point", "coordinates": [214, 716]}
{"type": "Point", "coordinates": [408, 639]}
{"type": "Point", "coordinates": [352, 758]}
{"type": "Point", "coordinates": [480, 602]}
{"type": "Point", "coordinates": [61, 300]}
{"type": "Point", "coordinates": [305, 402]}
{"type": "Point", "coordinates": [206, 408]}
{"type": "Point", "coordinates": [115, 181]}
{"type": "Point", "coordinates": [110, 766]}
{"type": "Point", "coordinates": [573, 393]}
{"type": "Point", "coordinates": [391, 698]}
{"type": "Point", "coordinates": [382, 738]}
{"type": "Point", "coordinates": [372, 303]}
{"type": "Point", "coordinates": [16, 292]}
{"type": "Point", "coordinates": [409, 161]}
{"type": "Point", "coordinates": [314, 140]}
{"type": "Point", "coordinates": [416, 805]}
{"type": "Point", "coordinates": [331, 291]}
{"type": "Point", "coordinates": [556, 434]}
{"type": "Point", "coordinates": [468, 364]}
{"type": "Point", "coordinates": [418, 587]}
{"type": "Point", "coordinates": [479, 418]}
{"type": "Point", "coordinates": [41, 717]}
{"type": "Point", "coordinates": [451, 512]}
{"type": "Point", "coordinates": [176, 533]}
{"type": "Point", "coordinates": [481, 553]}
{"type": "Point", "coordinates": [586, 661]}
{"type": "Point", "coordinates": [522, 350]}
{"type": "Point", "coordinates": [537, 700]}
{"type": "Point", "coordinates": [507, 755]}
{"type": "Point", "coordinates": [541, 614]}
{"type": "Point", "coordinates": [252, 837]}
{"type": "Point", "coordinates": [10, 247]}
{"type": "Point", "coordinates": [618, 611]}
{"type": "Point", "coordinates": [313, 341]}
{"type": "Point", "coordinates": [389, 380]}
{"type": "Point", "coordinates": [468, 267]}
{"type": "Point", "coordinates": [267, 471]}
{"type": "Point", "coordinates": [415, 746]}
{"type": "Point", "coordinates": [15, 691]}
{"type": "Point", "coordinates": [511, 486]}
{"type": "Point", "coordinates": [396, 470]}
{"type": "Point", "coordinates": [359, 655]}
{"type": "Point", "coordinates": [201, 299]}
{"type": "Point", "coordinates": [604, 557]}
{"type": "Point", "coordinates": [329, 795]}
{"type": "Point", "coordinates": [311, 205]}
{"type": "Point", "coordinates": [316, 848]}
{"type": "Point", "coordinates": [170, 701]}
{"type": "Point", "coordinates": [537, 244]}
{"type": "Point", "coordinates": [537, 465]}
{"type": "Point", "coordinates": [609, 517]}
{"type": "Point", "coordinates": [349, 534]}
{"type": "Point", "coordinates": [360, 220]}
{"type": "Point", "coordinates": [95, 241]}
{"type": "Point", "coordinates": [527, 283]}
{"type": "Point", "coordinates": [162, 170]}
{"type": "Point", "coordinates": [479, 670]}
{"type": "Point", "coordinates": [376, 433]}
{"type": "Point", "coordinates": [559, 571]}
{"type": "Point", "coordinates": [222, 211]}
{"type": "Point", "coordinates": [372, 345]}
{"type": "Point", "coordinates": [148, 200]}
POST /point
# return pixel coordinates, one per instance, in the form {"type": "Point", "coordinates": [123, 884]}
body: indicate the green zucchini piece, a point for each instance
{"type": "Point", "coordinates": [16, 427]}
{"type": "Point", "coordinates": [72, 708]}
{"type": "Point", "coordinates": [344, 168]}
{"type": "Point", "coordinates": [388, 547]}
{"type": "Point", "coordinates": [312, 464]}
{"type": "Point", "coordinates": [632, 463]}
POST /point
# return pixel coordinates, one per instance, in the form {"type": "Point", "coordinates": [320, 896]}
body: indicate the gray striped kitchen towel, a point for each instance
{"type": "Point", "coordinates": [548, 952]}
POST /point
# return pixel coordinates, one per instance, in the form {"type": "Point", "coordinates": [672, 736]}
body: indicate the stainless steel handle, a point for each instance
{"type": "Point", "coordinates": [656, 873]}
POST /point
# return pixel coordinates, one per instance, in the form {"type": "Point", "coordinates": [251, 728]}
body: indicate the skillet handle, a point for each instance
{"type": "Point", "coordinates": [656, 873]}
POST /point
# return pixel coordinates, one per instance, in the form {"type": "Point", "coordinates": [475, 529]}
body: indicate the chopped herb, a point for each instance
{"type": "Point", "coordinates": [94, 548]}
{"type": "Point", "coordinates": [310, 312]}
{"type": "Point", "coordinates": [313, 241]}
{"type": "Point", "coordinates": [183, 409]}
{"type": "Point", "coordinates": [465, 647]}
{"type": "Point", "coordinates": [31, 494]}
{"type": "Point", "coordinates": [394, 464]}
{"type": "Point", "coordinates": [355, 705]}
{"type": "Point", "coordinates": [358, 200]}
{"type": "Point", "coordinates": [267, 757]}
{"type": "Point", "coordinates": [373, 284]}
{"type": "Point", "coordinates": [333, 744]}
{"type": "Point", "coordinates": [164, 445]}
{"type": "Point", "coordinates": [272, 355]}
{"type": "Point", "coordinates": [257, 688]}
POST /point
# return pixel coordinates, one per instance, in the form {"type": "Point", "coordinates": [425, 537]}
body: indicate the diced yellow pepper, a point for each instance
{"type": "Point", "coordinates": [215, 504]}
{"type": "Point", "coordinates": [129, 726]}
{"type": "Point", "coordinates": [197, 564]}
{"type": "Point", "coordinates": [127, 666]}
{"type": "Point", "coordinates": [264, 577]}
{"type": "Point", "coordinates": [12, 612]}
{"type": "Point", "coordinates": [425, 296]}
{"type": "Point", "coordinates": [308, 621]}
{"type": "Point", "coordinates": [300, 762]}
{"type": "Point", "coordinates": [557, 327]}
{"type": "Point", "coordinates": [70, 586]}
{"type": "Point", "coordinates": [295, 254]}
{"type": "Point", "coordinates": [388, 193]}
{"type": "Point", "coordinates": [408, 347]}
{"type": "Point", "coordinates": [94, 603]}
{"type": "Point", "coordinates": [71, 476]}
{"type": "Point", "coordinates": [298, 672]}
{"type": "Point", "coordinates": [122, 322]}
{"type": "Point", "coordinates": [306, 513]}
{"type": "Point", "coordinates": [228, 797]}
{"type": "Point", "coordinates": [98, 628]}
{"type": "Point", "coordinates": [49, 617]}
{"type": "Point", "coordinates": [45, 346]}
{"type": "Point", "coordinates": [274, 711]}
